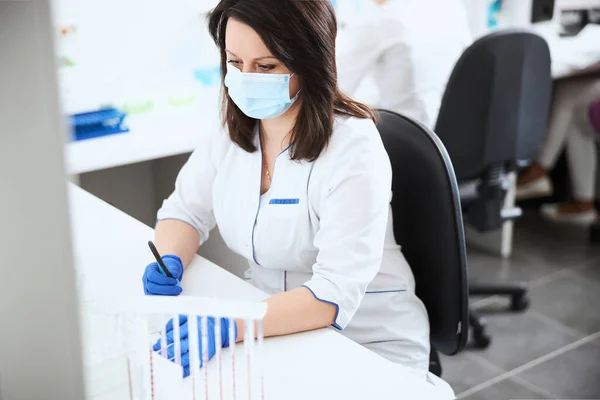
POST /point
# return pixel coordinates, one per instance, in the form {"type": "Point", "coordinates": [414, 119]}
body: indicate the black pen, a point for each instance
{"type": "Point", "coordinates": [159, 259]}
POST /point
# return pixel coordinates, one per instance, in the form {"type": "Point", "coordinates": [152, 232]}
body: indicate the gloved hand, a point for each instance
{"type": "Point", "coordinates": [157, 283]}
{"type": "Point", "coordinates": [184, 341]}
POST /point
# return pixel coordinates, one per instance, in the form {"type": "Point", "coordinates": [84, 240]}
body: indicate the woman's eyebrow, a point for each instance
{"type": "Point", "coordinates": [256, 59]}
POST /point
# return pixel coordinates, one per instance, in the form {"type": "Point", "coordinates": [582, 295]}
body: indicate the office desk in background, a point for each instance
{"type": "Point", "coordinates": [573, 56]}
{"type": "Point", "coordinates": [315, 365]}
{"type": "Point", "coordinates": [151, 137]}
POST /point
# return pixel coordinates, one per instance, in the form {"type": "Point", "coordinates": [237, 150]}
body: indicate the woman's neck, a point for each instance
{"type": "Point", "coordinates": [276, 131]}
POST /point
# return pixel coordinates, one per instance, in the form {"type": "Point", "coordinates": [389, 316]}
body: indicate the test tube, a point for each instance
{"type": "Point", "coordinates": [194, 351]}
{"type": "Point", "coordinates": [232, 346]}
{"type": "Point", "coordinates": [124, 349]}
{"type": "Point", "coordinates": [204, 324]}
{"type": "Point", "coordinates": [163, 343]}
{"type": "Point", "coordinates": [143, 383]}
{"type": "Point", "coordinates": [249, 350]}
{"type": "Point", "coordinates": [260, 342]}
{"type": "Point", "coordinates": [151, 368]}
{"type": "Point", "coordinates": [130, 378]}
{"type": "Point", "coordinates": [176, 340]}
{"type": "Point", "coordinates": [218, 349]}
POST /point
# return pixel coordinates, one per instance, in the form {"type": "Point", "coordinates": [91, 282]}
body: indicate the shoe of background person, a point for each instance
{"type": "Point", "coordinates": [533, 183]}
{"type": "Point", "coordinates": [574, 213]}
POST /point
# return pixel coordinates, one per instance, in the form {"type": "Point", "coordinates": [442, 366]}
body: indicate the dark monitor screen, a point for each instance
{"type": "Point", "coordinates": [542, 10]}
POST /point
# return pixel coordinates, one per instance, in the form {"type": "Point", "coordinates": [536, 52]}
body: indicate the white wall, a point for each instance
{"type": "Point", "coordinates": [126, 51]}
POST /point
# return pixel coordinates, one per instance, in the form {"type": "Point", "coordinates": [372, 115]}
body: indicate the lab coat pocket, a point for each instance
{"type": "Point", "coordinates": [280, 232]}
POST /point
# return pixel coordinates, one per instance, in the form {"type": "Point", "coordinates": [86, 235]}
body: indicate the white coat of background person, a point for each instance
{"type": "Point", "coordinates": [398, 54]}
{"type": "Point", "coordinates": [299, 184]}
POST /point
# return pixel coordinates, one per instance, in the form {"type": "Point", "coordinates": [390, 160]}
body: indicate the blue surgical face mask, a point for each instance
{"type": "Point", "coordinates": [259, 96]}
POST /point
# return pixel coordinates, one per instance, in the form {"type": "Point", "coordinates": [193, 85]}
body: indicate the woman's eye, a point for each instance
{"type": "Point", "coordinates": [264, 67]}
{"type": "Point", "coordinates": [233, 62]}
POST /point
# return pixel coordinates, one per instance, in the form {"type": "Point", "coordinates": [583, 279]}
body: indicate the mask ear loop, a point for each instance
{"type": "Point", "coordinates": [293, 100]}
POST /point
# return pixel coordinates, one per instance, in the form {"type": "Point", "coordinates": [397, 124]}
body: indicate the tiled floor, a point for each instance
{"type": "Point", "coordinates": [551, 351]}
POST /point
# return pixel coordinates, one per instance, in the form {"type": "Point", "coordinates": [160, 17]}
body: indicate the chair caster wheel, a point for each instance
{"type": "Point", "coordinates": [481, 340]}
{"type": "Point", "coordinates": [519, 303]}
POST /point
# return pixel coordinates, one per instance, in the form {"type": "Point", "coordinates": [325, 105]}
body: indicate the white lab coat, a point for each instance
{"type": "Point", "coordinates": [399, 56]}
{"type": "Point", "coordinates": [324, 224]}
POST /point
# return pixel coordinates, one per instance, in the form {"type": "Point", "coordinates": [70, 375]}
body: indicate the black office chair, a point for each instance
{"type": "Point", "coordinates": [492, 118]}
{"type": "Point", "coordinates": [428, 225]}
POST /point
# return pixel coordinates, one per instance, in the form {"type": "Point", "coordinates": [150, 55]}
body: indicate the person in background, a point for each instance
{"type": "Point", "coordinates": [594, 114]}
{"type": "Point", "coordinates": [299, 183]}
{"type": "Point", "coordinates": [570, 128]}
{"type": "Point", "coordinates": [405, 50]}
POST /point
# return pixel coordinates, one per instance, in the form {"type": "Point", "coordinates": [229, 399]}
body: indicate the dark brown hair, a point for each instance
{"type": "Point", "coordinates": [301, 34]}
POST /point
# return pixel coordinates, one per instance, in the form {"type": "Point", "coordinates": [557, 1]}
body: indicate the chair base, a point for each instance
{"type": "Point", "coordinates": [595, 233]}
{"type": "Point", "coordinates": [517, 293]}
{"type": "Point", "coordinates": [519, 302]}
{"type": "Point", "coordinates": [435, 366]}
{"type": "Point", "coordinates": [481, 339]}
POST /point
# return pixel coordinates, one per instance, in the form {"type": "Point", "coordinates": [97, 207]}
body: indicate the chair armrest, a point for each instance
{"type": "Point", "coordinates": [510, 214]}
{"type": "Point", "coordinates": [483, 201]}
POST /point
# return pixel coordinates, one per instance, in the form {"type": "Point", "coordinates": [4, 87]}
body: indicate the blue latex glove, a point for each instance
{"type": "Point", "coordinates": [184, 341]}
{"type": "Point", "coordinates": [157, 283]}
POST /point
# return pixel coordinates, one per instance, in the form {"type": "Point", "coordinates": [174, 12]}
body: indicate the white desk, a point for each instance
{"type": "Point", "coordinates": [572, 55]}
{"type": "Point", "coordinates": [150, 137]}
{"type": "Point", "coordinates": [315, 365]}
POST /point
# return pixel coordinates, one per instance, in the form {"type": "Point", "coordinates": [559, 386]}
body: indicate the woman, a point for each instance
{"type": "Point", "coordinates": [299, 183]}
{"type": "Point", "coordinates": [569, 129]}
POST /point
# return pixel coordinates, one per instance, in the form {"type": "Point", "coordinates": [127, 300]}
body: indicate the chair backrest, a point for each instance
{"type": "Point", "coordinates": [495, 107]}
{"type": "Point", "coordinates": [428, 225]}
